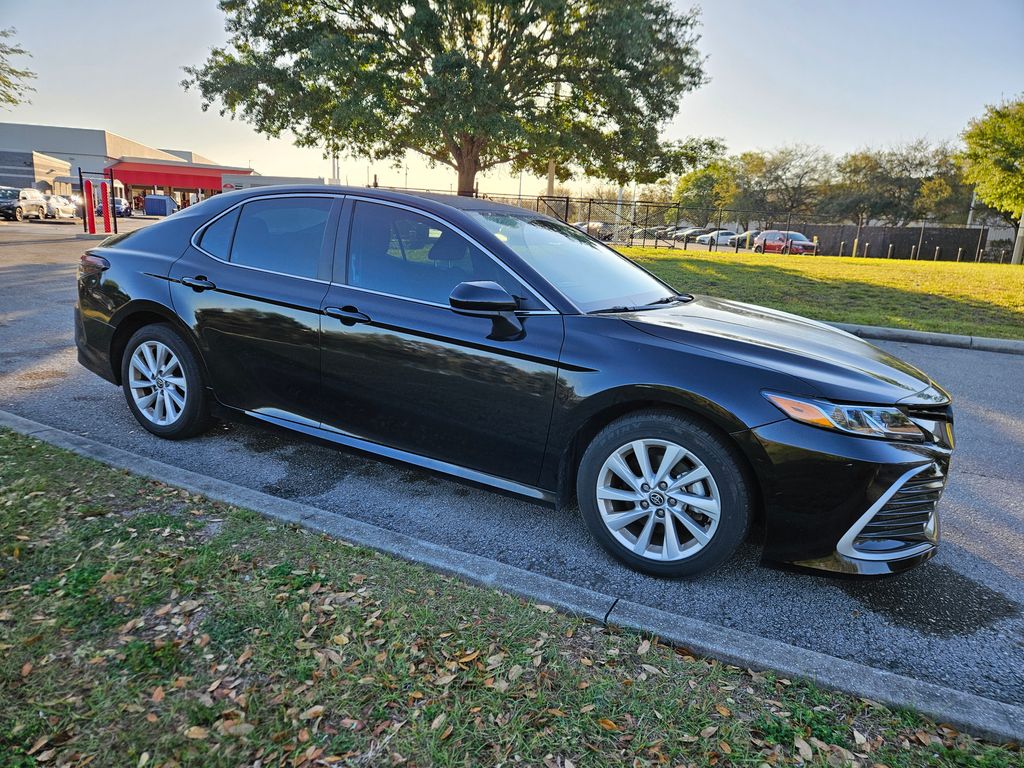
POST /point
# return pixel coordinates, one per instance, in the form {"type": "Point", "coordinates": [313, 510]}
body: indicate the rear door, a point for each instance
{"type": "Point", "coordinates": [251, 287]}
{"type": "Point", "coordinates": [402, 369]}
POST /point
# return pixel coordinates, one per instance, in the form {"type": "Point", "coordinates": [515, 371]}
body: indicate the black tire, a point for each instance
{"type": "Point", "coordinates": [195, 416]}
{"type": "Point", "coordinates": [712, 449]}
{"type": "Point", "coordinates": [19, 215]}
{"type": "Point", "coordinates": [785, 251]}
{"type": "Point", "coordinates": [758, 249]}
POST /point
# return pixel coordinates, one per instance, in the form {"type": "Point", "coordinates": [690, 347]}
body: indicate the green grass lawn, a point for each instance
{"type": "Point", "coordinates": [946, 297]}
{"type": "Point", "coordinates": [141, 625]}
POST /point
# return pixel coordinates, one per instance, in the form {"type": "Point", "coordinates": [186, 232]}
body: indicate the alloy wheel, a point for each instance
{"type": "Point", "coordinates": [157, 383]}
{"type": "Point", "coordinates": [658, 500]}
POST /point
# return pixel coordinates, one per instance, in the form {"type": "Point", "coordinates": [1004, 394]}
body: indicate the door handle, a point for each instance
{"type": "Point", "coordinates": [348, 315]}
{"type": "Point", "coordinates": [199, 283]}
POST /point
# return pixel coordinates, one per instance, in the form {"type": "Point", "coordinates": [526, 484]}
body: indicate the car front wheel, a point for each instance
{"type": "Point", "coordinates": [664, 494]}
{"type": "Point", "coordinates": [163, 383]}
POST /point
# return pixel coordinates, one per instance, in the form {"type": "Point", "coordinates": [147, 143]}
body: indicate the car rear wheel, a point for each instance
{"type": "Point", "coordinates": [664, 494]}
{"type": "Point", "coordinates": [163, 383]}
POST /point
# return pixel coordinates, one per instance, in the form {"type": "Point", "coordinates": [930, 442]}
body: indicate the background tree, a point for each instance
{"type": "Point", "coordinates": [13, 81]}
{"type": "Point", "coordinates": [467, 83]}
{"type": "Point", "coordinates": [993, 161]}
{"type": "Point", "coordinates": [898, 185]}
{"type": "Point", "coordinates": [703, 191]}
{"type": "Point", "coordinates": [783, 180]}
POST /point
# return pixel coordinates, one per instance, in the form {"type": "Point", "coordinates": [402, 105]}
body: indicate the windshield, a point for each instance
{"type": "Point", "coordinates": [591, 275]}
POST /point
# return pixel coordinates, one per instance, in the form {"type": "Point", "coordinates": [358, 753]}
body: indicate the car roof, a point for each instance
{"type": "Point", "coordinates": [457, 202]}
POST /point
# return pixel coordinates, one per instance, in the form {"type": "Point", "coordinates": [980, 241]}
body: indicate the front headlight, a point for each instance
{"type": "Point", "coordinates": [865, 420]}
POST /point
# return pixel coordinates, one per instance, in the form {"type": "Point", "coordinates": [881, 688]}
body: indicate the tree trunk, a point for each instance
{"type": "Point", "coordinates": [467, 169]}
{"type": "Point", "coordinates": [1018, 244]}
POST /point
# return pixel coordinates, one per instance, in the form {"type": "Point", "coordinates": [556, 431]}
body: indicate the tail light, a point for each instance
{"type": "Point", "coordinates": [91, 264]}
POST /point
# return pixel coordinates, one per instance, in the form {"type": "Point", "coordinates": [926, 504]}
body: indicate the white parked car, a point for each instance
{"type": "Point", "coordinates": [59, 207]}
{"type": "Point", "coordinates": [718, 237]}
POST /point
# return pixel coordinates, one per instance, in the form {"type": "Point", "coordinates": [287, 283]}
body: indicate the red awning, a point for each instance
{"type": "Point", "coordinates": [183, 176]}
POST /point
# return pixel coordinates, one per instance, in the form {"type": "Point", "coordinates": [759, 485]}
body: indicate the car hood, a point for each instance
{"type": "Point", "coordinates": [835, 364]}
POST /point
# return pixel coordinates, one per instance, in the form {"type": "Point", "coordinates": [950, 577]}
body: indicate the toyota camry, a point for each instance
{"type": "Point", "coordinates": [515, 352]}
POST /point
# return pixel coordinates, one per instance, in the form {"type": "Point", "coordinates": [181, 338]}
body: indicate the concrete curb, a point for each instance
{"type": "Point", "coordinates": [984, 717]}
{"type": "Point", "coordinates": [981, 343]}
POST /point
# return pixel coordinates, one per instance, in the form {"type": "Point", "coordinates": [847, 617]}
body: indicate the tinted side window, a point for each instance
{"type": "Point", "coordinates": [396, 251]}
{"type": "Point", "coordinates": [282, 234]}
{"type": "Point", "coordinates": [216, 240]}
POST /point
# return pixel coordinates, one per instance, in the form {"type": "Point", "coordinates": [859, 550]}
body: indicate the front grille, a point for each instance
{"type": "Point", "coordinates": [905, 522]}
{"type": "Point", "coordinates": [907, 519]}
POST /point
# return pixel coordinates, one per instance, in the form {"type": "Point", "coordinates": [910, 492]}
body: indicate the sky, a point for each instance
{"type": "Point", "coordinates": [839, 74]}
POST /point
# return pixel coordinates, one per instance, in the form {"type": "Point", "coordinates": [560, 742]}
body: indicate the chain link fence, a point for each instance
{"type": "Point", "coordinates": [664, 224]}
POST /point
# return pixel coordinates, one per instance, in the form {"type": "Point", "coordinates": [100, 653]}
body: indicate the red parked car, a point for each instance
{"type": "Point", "coordinates": [777, 241]}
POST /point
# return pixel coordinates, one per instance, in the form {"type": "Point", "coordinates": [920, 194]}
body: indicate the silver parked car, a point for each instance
{"type": "Point", "coordinates": [59, 207]}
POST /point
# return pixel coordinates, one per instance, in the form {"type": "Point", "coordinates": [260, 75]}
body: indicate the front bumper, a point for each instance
{"type": "Point", "coordinates": [849, 504]}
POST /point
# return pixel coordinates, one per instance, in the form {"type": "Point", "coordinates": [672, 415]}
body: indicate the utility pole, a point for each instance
{"type": "Point", "coordinates": [551, 162]}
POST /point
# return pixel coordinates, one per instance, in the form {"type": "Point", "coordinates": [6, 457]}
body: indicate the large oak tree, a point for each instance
{"type": "Point", "coordinates": [468, 83]}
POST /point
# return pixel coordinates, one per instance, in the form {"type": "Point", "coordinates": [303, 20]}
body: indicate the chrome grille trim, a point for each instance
{"type": "Point", "coordinates": [905, 512]}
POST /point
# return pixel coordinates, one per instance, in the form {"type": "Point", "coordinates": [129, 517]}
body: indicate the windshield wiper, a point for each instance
{"type": "Point", "coordinates": [671, 299]}
{"type": "Point", "coordinates": [612, 309]}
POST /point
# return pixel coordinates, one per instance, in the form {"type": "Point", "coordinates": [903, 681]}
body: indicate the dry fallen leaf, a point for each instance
{"type": "Point", "coordinates": [312, 713]}
{"type": "Point", "coordinates": [158, 694]}
{"type": "Point", "coordinates": [803, 748]}
{"type": "Point", "coordinates": [723, 710]}
{"type": "Point", "coordinates": [196, 732]}
{"type": "Point", "coordinates": [644, 647]}
{"type": "Point", "coordinates": [438, 721]}
{"type": "Point", "coordinates": [724, 746]}
{"type": "Point", "coordinates": [607, 724]}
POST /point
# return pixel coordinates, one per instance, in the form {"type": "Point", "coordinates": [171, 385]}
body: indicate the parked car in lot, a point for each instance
{"type": "Point", "coordinates": [745, 239]}
{"type": "Point", "coordinates": [649, 233]}
{"type": "Point", "coordinates": [59, 207]}
{"type": "Point", "coordinates": [120, 207]}
{"type": "Point", "coordinates": [19, 204]}
{"type": "Point", "coordinates": [599, 229]}
{"type": "Point", "coordinates": [690, 233]}
{"type": "Point", "coordinates": [777, 241]}
{"type": "Point", "coordinates": [717, 236]}
{"type": "Point", "coordinates": [510, 350]}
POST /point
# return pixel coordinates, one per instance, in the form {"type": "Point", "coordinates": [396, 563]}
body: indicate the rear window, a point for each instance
{"type": "Point", "coordinates": [216, 239]}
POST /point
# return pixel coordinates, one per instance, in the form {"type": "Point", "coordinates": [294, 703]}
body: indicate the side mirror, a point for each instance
{"type": "Point", "coordinates": [485, 298]}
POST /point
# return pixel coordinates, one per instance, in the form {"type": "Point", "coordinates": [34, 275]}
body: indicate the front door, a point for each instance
{"type": "Point", "coordinates": [402, 369]}
{"type": "Point", "coordinates": [252, 292]}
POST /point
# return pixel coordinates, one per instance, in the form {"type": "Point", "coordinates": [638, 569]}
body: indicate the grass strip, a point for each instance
{"type": "Point", "coordinates": [142, 625]}
{"type": "Point", "coordinates": [944, 297]}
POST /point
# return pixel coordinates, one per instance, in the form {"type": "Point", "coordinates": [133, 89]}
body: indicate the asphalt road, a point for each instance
{"type": "Point", "coordinates": [956, 621]}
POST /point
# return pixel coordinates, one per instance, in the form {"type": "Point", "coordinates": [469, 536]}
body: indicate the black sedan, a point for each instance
{"type": "Point", "coordinates": [513, 351]}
